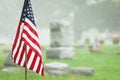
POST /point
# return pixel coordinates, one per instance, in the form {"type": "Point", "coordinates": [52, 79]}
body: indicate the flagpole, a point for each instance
{"type": "Point", "coordinates": [26, 63]}
{"type": "Point", "coordinates": [25, 3]}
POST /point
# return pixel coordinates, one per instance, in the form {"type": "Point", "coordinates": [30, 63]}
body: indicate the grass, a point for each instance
{"type": "Point", "coordinates": [106, 64]}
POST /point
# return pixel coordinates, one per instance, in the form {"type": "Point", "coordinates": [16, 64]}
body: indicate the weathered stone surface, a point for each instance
{"type": "Point", "coordinates": [83, 71]}
{"type": "Point", "coordinates": [56, 72]}
{"type": "Point", "coordinates": [56, 66]}
{"type": "Point", "coordinates": [10, 69]}
{"type": "Point", "coordinates": [8, 62]}
{"type": "Point", "coordinates": [60, 53]}
{"type": "Point", "coordinates": [61, 34]}
{"type": "Point", "coordinates": [62, 40]}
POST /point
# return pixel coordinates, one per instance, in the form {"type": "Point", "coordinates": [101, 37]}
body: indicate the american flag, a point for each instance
{"type": "Point", "coordinates": [27, 40]}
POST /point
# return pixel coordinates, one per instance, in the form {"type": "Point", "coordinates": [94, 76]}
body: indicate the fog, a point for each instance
{"type": "Point", "coordinates": [83, 15]}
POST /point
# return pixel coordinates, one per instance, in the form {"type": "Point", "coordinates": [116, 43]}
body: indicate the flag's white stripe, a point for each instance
{"type": "Point", "coordinates": [30, 60]}
{"type": "Point", "coordinates": [41, 67]}
{"type": "Point", "coordinates": [31, 43]}
{"type": "Point", "coordinates": [27, 47]}
{"type": "Point", "coordinates": [18, 41]}
{"type": "Point", "coordinates": [36, 64]}
{"type": "Point", "coordinates": [19, 53]}
{"type": "Point", "coordinates": [31, 24]}
{"type": "Point", "coordinates": [31, 34]}
{"type": "Point", "coordinates": [23, 60]}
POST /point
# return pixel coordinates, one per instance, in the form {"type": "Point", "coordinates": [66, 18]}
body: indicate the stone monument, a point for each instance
{"type": "Point", "coordinates": [56, 68]}
{"type": "Point", "coordinates": [82, 71]}
{"type": "Point", "coordinates": [8, 62]}
{"type": "Point", "coordinates": [9, 66]}
{"type": "Point", "coordinates": [62, 39]}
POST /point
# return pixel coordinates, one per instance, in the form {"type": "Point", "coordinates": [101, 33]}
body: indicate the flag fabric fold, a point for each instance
{"type": "Point", "coordinates": [27, 40]}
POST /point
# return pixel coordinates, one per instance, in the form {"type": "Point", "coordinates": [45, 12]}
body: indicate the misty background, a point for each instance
{"type": "Point", "coordinates": [83, 15]}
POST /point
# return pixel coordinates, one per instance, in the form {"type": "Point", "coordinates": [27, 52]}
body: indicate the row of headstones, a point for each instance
{"type": "Point", "coordinates": [54, 68]}
{"type": "Point", "coordinates": [57, 69]}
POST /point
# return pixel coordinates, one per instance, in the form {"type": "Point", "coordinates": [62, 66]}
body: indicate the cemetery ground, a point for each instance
{"type": "Point", "coordinates": [106, 63]}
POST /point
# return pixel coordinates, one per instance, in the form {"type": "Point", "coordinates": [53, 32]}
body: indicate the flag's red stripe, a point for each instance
{"type": "Point", "coordinates": [29, 54]}
{"type": "Point", "coordinates": [38, 68]}
{"type": "Point", "coordinates": [22, 53]}
{"type": "Point", "coordinates": [42, 73]}
{"type": "Point", "coordinates": [33, 62]}
{"type": "Point", "coordinates": [31, 38]}
{"type": "Point", "coordinates": [16, 37]}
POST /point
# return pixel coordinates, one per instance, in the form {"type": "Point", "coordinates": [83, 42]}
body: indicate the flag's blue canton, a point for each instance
{"type": "Point", "coordinates": [28, 13]}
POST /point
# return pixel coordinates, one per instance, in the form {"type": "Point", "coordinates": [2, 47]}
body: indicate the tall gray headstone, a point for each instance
{"type": "Point", "coordinates": [8, 62]}
{"type": "Point", "coordinates": [61, 34]}
{"type": "Point", "coordinates": [9, 66]}
{"type": "Point", "coordinates": [62, 39]}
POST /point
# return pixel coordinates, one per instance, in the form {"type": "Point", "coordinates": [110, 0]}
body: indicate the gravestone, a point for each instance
{"type": "Point", "coordinates": [82, 71]}
{"type": "Point", "coordinates": [9, 66]}
{"type": "Point", "coordinates": [118, 53]}
{"type": "Point", "coordinates": [8, 62]}
{"type": "Point", "coordinates": [60, 53]}
{"type": "Point", "coordinates": [95, 47]}
{"type": "Point", "coordinates": [56, 68]}
{"type": "Point", "coordinates": [62, 39]}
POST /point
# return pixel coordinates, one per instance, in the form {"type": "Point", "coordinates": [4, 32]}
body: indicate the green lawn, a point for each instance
{"type": "Point", "coordinates": [106, 64]}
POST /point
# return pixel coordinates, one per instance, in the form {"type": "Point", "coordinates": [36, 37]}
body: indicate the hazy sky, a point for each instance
{"type": "Point", "coordinates": [46, 11]}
